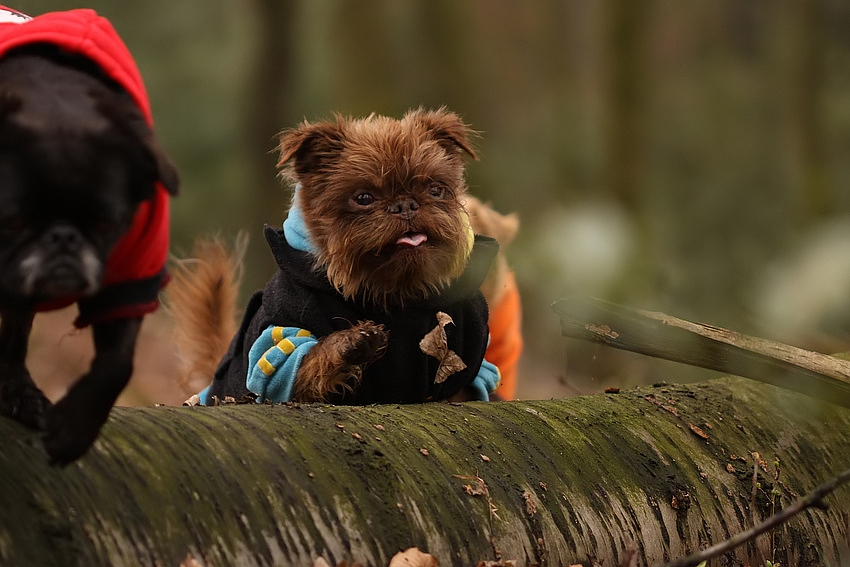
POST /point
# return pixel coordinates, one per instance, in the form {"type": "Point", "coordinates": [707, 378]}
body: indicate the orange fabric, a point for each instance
{"type": "Point", "coordinates": [506, 338]}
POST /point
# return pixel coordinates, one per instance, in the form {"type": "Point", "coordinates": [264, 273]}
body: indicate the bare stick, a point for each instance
{"type": "Point", "coordinates": [662, 336]}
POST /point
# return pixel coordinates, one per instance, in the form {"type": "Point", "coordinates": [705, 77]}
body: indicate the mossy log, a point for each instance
{"type": "Point", "coordinates": [666, 469]}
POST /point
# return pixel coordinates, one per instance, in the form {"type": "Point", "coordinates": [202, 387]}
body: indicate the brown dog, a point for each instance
{"type": "Point", "coordinates": [377, 297]}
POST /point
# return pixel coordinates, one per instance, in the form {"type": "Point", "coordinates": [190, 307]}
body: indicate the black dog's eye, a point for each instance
{"type": "Point", "coordinates": [438, 191]}
{"type": "Point", "coordinates": [12, 224]}
{"type": "Point", "coordinates": [364, 199]}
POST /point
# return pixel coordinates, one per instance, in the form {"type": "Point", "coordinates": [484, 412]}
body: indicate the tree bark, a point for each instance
{"type": "Point", "coordinates": [667, 469]}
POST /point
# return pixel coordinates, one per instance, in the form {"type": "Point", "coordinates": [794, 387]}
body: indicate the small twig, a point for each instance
{"type": "Point", "coordinates": [812, 499]}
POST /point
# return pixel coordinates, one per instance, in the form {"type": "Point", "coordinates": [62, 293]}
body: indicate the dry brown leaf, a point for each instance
{"type": "Point", "coordinates": [530, 506]}
{"type": "Point", "coordinates": [320, 562]}
{"type": "Point", "coordinates": [485, 458]}
{"type": "Point", "coordinates": [413, 557]}
{"type": "Point", "coordinates": [190, 561]}
{"type": "Point", "coordinates": [436, 344]}
{"type": "Point", "coordinates": [697, 431]}
{"type": "Point", "coordinates": [193, 401]}
{"type": "Point", "coordinates": [424, 451]}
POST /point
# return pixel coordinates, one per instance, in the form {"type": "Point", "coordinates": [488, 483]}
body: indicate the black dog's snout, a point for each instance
{"type": "Point", "coordinates": [405, 208]}
{"type": "Point", "coordinates": [63, 237]}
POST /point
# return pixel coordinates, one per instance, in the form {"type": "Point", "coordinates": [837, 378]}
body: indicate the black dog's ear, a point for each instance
{"type": "Point", "coordinates": [124, 115]}
{"type": "Point", "coordinates": [310, 146]}
{"type": "Point", "coordinates": [9, 103]}
{"type": "Point", "coordinates": [446, 127]}
{"type": "Point", "coordinates": [165, 169]}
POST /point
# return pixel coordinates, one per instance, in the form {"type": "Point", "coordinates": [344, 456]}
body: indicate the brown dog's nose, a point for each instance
{"type": "Point", "coordinates": [405, 208]}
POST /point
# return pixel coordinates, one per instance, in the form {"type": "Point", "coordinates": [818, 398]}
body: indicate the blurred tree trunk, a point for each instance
{"type": "Point", "coordinates": [668, 469]}
{"type": "Point", "coordinates": [625, 39]}
{"type": "Point", "coordinates": [268, 110]}
{"type": "Point", "coordinates": [807, 82]}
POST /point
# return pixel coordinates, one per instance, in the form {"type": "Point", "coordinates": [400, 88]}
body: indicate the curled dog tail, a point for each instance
{"type": "Point", "coordinates": [201, 300]}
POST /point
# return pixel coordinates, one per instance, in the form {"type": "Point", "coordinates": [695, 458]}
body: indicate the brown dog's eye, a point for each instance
{"type": "Point", "coordinates": [437, 191]}
{"type": "Point", "coordinates": [364, 199]}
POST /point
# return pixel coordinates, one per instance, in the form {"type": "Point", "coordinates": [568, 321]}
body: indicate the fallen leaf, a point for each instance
{"type": "Point", "coordinates": [485, 458]}
{"type": "Point", "coordinates": [413, 557]}
{"type": "Point", "coordinates": [436, 344]}
{"type": "Point", "coordinates": [480, 488]}
{"type": "Point", "coordinates": [190, 561]}
{"type": "Point", "coordinates": [424, 451]}
{"type": "Point", "coordinates": [320, 562]}
{"type": "Point", "coordinates": [530, 506]}
{"type": "Point", "coordinates": [612, 390]}
{"type": "Point", "coordinates": [730, 468]}
{"type": "Point", "coordinates": [543, 486]}
{"type": "Point", "coordinates": [697, 431]}
{"type": "Point", "coordinates": [380, 427]}
{"type": "Point", "coordinates": [671, 409]}
{"type": "Point", "coordinates": [195, 400]}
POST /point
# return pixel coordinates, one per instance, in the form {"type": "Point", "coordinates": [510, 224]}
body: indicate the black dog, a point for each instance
{"type": "Point", "coordinates": [83, 218]}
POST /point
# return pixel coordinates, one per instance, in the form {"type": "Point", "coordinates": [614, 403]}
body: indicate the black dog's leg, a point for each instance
{"type": "Point", "coordinates": [75, 421]}
{"type": "Point", "coordinates": [20, 398]}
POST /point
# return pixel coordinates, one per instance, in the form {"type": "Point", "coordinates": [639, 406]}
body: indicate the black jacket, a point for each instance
{"type": "Point", "coordinates": [298, 296]}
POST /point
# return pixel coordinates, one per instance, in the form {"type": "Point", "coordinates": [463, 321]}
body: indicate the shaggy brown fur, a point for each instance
{"type": "Point", "coordinates": [411, 173]}
{"type": "Point", "coordinates": [489, 222]}
{"type": "Point", "coordinates": [202, 301]}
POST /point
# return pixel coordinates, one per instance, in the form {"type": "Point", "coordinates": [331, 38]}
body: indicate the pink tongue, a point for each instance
{"type": "Point", "coordinates": [412, 239]}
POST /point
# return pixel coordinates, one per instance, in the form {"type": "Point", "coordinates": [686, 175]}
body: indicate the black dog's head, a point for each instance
{"type": "Point", "coordinates": [76, 159]}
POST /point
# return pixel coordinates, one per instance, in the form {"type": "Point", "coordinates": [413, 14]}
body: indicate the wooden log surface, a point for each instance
{"type": "Point", "coordinates": [668, 469]}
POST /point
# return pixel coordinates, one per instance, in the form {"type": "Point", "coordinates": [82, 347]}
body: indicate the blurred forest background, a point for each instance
{"type": "Point", "coordinates": [688, 157]}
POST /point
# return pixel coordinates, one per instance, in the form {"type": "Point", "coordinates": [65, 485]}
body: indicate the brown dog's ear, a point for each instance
{"type": "Point", "coordinates": [310, 146]}
{"type": "Point", "coordinates": [446, 127]}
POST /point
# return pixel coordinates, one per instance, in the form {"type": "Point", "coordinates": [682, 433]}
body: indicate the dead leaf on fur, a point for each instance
{"type": "Point", "coordinates": [413, 557]}
{"type": "Point", "coordinates": [436, 344]}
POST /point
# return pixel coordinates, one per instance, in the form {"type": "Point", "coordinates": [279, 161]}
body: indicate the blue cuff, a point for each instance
{"type": "Point", "coordinates": [486, 381]}
{"type": "Point", "coordinates": [274, 360]}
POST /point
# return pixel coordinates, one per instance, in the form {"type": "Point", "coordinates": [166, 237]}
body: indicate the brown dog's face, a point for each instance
{"type": "Point", "coordinates": [382, 200]}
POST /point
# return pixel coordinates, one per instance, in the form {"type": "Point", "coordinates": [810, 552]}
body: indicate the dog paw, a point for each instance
{"type": "Point", "coordinates": [23, 401]}
{"type": "Point", "coordinates": [363, 343]}
{"type": "Point", "coordinates": [70, 429]}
